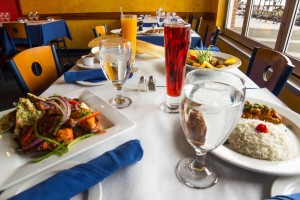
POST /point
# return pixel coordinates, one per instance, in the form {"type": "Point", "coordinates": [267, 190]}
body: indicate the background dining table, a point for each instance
{"type": "Point", "coordinates": [164, 145]}
{"type": "Point", "coordinates": [40, 32]}
{"type": "Point", "coordinates": [158, 38]}
{"type": "Point", "coordinates": [148, 21]}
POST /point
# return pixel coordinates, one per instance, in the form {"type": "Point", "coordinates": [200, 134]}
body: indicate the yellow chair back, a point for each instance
{"type": "Point", "coordinates": [36, 69]}
{"type": "Point", "coordinates": [100, 30]}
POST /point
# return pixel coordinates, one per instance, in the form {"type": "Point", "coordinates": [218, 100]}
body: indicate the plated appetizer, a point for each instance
{"type": "Point", "coordinates": [49, 126]}
{"type": "Point", "coordinates": [261, 134]}
{"type": "Point", "coordinates": [206, 59]}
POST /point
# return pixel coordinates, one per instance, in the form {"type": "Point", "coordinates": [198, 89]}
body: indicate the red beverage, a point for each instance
{"type": "Point", "coordinates": [176, 41]}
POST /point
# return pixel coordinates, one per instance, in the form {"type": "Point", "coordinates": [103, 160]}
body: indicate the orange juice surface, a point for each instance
{"type": "Point", "coordinates": [129, 28]}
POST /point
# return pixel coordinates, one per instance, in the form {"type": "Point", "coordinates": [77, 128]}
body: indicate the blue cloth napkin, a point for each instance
{"type": "Point", "coordinates": [295, 196]}
{"type": "Point", "coordinates": [71, 182]}
{"type": "Point", "coordinates": [92, 75]}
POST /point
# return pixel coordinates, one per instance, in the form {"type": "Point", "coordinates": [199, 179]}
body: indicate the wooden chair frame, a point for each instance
{"type": "Point", "coordinates": [211, 35]}
{"type": "Point", "coordinates": [198, 24]}
{"type": "Point", "coordinates": [268, 61]}
{"type": "Point", "coordinates": [191, 19]}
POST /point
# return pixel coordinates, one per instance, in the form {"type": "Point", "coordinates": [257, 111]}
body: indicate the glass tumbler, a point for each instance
{"type": "Point", "coordinates": [176, 41]}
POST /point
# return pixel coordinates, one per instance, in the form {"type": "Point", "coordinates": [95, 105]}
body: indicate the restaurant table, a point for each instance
{"type": "Point", "coordinates": [158, 38]}
{"type": "Point", "coordinates": [164, 145]}
{"type": "Point", "coordinates": [148, 21]}
{"type": "Point", "coordinates": [40, 33]}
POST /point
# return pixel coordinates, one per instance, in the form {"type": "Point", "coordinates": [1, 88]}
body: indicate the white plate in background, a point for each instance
{"type": "Point", "coordinates": [88, 83]}
{"type": "Point", "coordinates": [286, 186]}
{"type": "Point", "coordinates": [80, 64]}
{"type": "Point", "coordinates": [143, 32]}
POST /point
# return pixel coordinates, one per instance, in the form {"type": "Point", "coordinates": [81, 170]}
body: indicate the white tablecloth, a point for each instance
{"type": "Point", "coordinates": [164, 146]}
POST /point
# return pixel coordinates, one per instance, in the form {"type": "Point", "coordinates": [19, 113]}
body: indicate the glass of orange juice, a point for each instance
{"type": "Point", "coordinates": [129, 29]}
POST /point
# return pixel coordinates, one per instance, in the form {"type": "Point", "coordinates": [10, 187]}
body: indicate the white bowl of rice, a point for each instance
{"type": "Point", "coordinates": [275, 145]}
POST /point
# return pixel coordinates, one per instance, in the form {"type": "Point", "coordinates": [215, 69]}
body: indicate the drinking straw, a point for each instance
{"type": "Point", "coordinates": [121, 9]}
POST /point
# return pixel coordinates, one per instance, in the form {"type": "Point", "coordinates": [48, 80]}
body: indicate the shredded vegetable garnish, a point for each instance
{"type": "Point", "coordinates": [59, 151]}
{"type": "Point", "coordinates": [204, 59]}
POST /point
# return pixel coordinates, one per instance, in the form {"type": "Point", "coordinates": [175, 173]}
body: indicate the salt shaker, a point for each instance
{"type": "Point", "coordinates": [142, 84]}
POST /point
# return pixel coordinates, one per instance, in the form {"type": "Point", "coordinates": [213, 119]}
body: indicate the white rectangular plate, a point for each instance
{"type": "Point", "coordinates": [15, 168]}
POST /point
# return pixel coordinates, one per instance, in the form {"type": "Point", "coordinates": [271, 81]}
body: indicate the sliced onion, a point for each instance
{"type": "Point", "coordinates": [65, 105]}
{"type": "Point", "coordinates": [68, 106]}
{"type": "Point", "coordinates": [64, 113]}
{"type": "Point", "coordinates": [60, 101]}
{"type": "Point", "coordinates": [28, 147]}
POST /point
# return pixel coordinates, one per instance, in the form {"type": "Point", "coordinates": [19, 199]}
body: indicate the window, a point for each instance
{"type": "Point", "coordinates": [266, 23]}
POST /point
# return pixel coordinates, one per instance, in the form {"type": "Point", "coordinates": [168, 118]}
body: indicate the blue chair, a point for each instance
{"type": "Point", "coordinates": [269, 68]}
{"type": "Point", "coordinates": [60, 44]}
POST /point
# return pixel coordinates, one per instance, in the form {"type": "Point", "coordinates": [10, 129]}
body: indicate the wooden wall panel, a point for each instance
{"type": "Point", "coordinates": [80, 6]}
{"type": "Point", "coordinates": [83, 15]}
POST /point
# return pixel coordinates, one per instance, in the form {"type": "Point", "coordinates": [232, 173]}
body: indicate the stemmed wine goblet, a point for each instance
{"type": "Point", "coordinates": [116, 61]}
{"type": "Point", "coordinates": [210, 108]}
{"type": "Point", "coordinates": [1, 16]}
{"type": "Point", "coordinates": [30, 16]}
{"type": "Point", "coordinates": [36, 16]}
{"type": "Point", "coordinates": [160, 18]}
{"type": "Point", "coordinates": [7, 16]}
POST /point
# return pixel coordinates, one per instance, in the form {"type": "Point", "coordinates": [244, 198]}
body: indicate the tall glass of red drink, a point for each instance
{"type": "Point", "coordinates": [176, 41]}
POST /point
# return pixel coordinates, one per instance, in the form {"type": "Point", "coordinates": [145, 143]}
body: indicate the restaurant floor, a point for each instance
{"type": "Point", "coordinates": [9, 89]}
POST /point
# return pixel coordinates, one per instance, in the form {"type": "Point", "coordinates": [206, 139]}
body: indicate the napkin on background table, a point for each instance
{"type": "Point", "coordinates": [92, 75]}
{"type": "Point", "coordinates": [295, 196]}
{"type": "Point", "coordinates": [75, 180]}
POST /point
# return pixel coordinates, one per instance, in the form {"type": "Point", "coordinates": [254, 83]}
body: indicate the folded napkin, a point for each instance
{"type": "Point", "coordinates": [92, 75]}
{"type": "Point", "coordinates": [295, 196]}
{"type": "Point", "coordinates": [150, 49]}
{"type": "Point", "coordinates": [71, 182]}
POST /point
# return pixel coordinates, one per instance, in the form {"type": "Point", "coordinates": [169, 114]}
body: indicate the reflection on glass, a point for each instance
{"type": "Point", "coordinates": [236, 18]}
{"type": "Point", "coordinates": [294, 41]}
{"type": "Point", "coordinates": [265, 21]}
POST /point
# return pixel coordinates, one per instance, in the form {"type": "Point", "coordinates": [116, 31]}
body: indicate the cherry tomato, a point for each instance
{"type": "Point", "coordinates": [193, 57]}
{"type": "Point", "coordinates": [262, 128]}
{"type": "Point", "coordinates": [72, 102]}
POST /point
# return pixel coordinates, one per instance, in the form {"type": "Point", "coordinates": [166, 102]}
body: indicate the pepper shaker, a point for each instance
{"type": "Point", "coordinates": [151, 84]}
{"type": "Point", "coordinates": [140, 25]}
